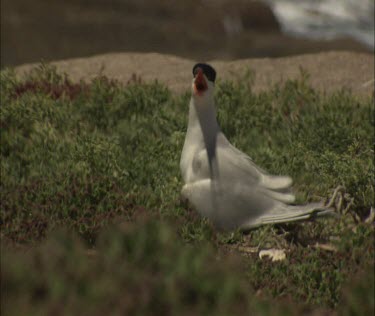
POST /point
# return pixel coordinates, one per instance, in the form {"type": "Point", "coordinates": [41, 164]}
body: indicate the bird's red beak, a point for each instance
{"type": "Point", "coordinates": [200, 84]}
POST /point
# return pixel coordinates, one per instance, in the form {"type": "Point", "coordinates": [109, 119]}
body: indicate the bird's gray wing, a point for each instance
{"type": "Point", "coordinates": [233, 166]}
{"type": "Point", "coordinates": [243, 161]}
{"type": "Point", "coordinates": [228, 205]}
{"type": "Point", "coordinates": [231, 205]}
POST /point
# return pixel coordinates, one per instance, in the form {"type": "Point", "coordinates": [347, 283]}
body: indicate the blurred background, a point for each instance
{"type": "Point", "coordinates": [37, 30]}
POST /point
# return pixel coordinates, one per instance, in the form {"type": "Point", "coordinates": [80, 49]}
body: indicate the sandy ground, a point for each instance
{"type": "Point", "coordinates": [328, 71]}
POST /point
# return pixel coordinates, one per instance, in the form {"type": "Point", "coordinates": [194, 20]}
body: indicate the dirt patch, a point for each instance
{"type": "Point", "coordinates": [328, 71]}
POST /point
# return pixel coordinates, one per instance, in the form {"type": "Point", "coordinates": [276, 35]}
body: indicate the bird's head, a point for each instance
{"type": "Point", "coordinates": [204, 80]}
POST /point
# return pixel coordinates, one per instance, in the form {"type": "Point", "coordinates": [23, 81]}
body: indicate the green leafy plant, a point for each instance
{"type": "Point", "coordinates": [87, 156]}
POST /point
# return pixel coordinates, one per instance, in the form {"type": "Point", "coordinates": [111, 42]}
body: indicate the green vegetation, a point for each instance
{"type": "Point", "coordinates": [91, 217]}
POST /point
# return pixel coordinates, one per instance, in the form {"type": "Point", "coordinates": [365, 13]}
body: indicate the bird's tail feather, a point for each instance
{"type": "Point", "coordinates": [275, 182]}
{"type": "Point", "coordinates": [285, 197]}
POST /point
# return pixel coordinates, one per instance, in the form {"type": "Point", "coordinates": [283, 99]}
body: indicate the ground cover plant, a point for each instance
{"type": "Point", "coordinates": [91, 216]}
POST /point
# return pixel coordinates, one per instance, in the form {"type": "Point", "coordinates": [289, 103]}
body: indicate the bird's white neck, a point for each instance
{"type": "Point", "coordinates": [203, 125]}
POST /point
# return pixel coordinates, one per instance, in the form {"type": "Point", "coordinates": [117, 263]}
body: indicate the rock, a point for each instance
{"type": "Point", "coordinates": [273, 254]}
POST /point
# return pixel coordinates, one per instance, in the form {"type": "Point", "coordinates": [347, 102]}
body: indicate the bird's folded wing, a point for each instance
{"type": "Point", "coordinates": [229, 205]}
{"type": "Point", "coordinates": [230, 164]}
{"type": "Point", "coordinates": [266, 180]}
{"type": "Point", "coordinates": [236, 205]}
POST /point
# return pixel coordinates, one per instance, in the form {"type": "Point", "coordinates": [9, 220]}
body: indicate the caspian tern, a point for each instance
{"type": "Point", "coordinates": [224, 184]}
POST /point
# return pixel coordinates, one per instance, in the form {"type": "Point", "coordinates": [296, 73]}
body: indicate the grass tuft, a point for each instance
{"type": "Point", "coordinates": [91, 216]}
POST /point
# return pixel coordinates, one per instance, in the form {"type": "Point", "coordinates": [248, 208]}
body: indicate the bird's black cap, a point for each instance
{"type": "Point", "coordinates": [207, 70]}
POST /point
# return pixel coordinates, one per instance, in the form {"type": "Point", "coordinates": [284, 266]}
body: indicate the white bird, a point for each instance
{"type": "Point", "coordinates": [221, 182]}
